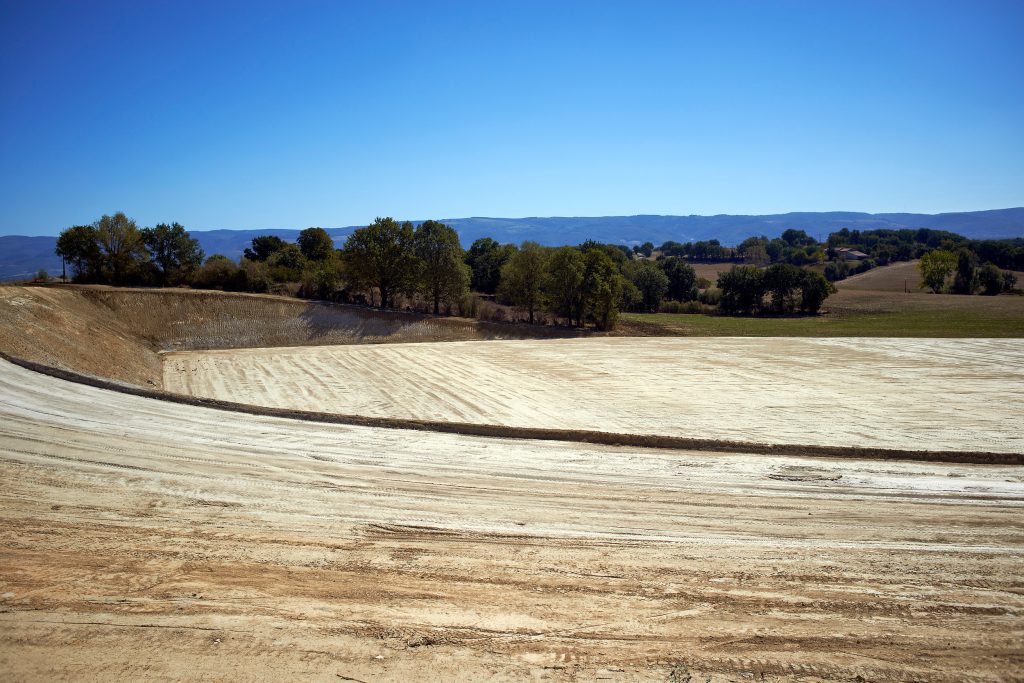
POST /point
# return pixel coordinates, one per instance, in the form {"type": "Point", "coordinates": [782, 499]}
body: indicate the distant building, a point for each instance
{"type": "Point", "coordinates": [850, 254]}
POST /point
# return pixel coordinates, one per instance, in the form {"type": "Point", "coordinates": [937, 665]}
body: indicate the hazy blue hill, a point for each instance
{"type": "Point", "coordinates": [21, 257]}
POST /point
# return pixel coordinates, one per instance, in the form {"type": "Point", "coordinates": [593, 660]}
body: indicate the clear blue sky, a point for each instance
{"type": "Point", "coordinates": [290, 114]}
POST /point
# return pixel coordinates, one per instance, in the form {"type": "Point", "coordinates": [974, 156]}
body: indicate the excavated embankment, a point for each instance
{"type": "Point", "coordinates": [117, 333]}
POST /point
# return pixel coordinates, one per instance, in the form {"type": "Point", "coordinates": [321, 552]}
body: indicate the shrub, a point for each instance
{"type": "Point", "coordinates": [710, 296]}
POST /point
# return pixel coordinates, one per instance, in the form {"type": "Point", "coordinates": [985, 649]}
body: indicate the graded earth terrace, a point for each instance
{"type": "Point", "coordinates": [923, 394]}
{"type": "Point", "coordinates": [145, 537]}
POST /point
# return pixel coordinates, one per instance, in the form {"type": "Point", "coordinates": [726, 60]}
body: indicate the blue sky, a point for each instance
{"type": "Point", "coordinates": [291, 114]}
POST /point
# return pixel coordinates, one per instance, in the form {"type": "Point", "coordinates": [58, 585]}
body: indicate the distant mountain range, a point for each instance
{"type": "Point", "coordinates": [22, 257]}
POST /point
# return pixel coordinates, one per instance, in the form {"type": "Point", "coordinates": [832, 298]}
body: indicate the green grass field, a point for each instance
{"type": "Point", "coordinates": [857, 312]}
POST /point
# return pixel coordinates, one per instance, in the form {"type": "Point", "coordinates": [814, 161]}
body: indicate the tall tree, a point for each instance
{"type": "Point", "coordinates": [79, 246]}
{"type": "Point", "coordinates": [122, 245]}
{"type": "Point", "coordinates": [650, 280]}
{"type": "Point", "coordinates": [742, 289]}
{"type": "Point", "coordinates": [935, 267]}
{"type": "Point", "coordinates": [173, 251]}
{"type": "Point", "coordinates": [966, 279]}
{"type": "Point", "coordinates": [814, 289]}
{"type": "Point", "coordinates": [781, 280]}
{"type": "Point", "coordinates": [444, 276]}
{"type": "Point", "coordinates": [263, 247]}
{"type": "Point", "coordinates": [381, 255]}
{"type": "Point", "coordinates": [602, 287]}
{"type": "Point", "coordinates": [522, 278]}
{"type": "Point", "coordinates": [486, 258]}
{"type": "Point", "coordinates": [682, 279]}
{"type": "Point", "coordinates": [564, 284]}
{"type": "Point", "coordinates": [315, 244]}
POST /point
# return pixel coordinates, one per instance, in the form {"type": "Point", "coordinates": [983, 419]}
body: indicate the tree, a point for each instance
{"type": "Point", "coordinates": [486, 258]}
{"type": "Point", "coordinates": [781, 280]}
{"type": "Point", "coordinates": [753, 251]}
{"type": "Point", "coordinates": [966, 279]}
{"type": "Point", "coordinates": [381, 255]}
{"type": "Point", "coordinates": [523, 278]}
{"type": "Point", "coordinates": [80, 247]}
{"type": "Point", "coordinates": [320, 278]}
{"type": "Point", "coordinates": [682, 279]}
{"type": "Point", "coordinates": [935, 267]}
{"type": "Point", "coordinates": [798, 238]}
{"type": "Point", "coordinates": [286, 264]}
{"type": "Point", "coordinates": [121, 241]}
{"type": "Point", "coordinates": [742, 289]}
{"type": "Point", "coordinates": [173, 251]}
{"type": "Point", "coordinates": [814, 289]}
{"type": "Point", "coordinates": [650, 280]}
{"type": "Point", "coordinates": [315, 244]}
{"type": "Point", "coordinates": [564, 284]}
{"type": "Point", "coordinates": [602, 287]}
{"type": "Point", "coordinates": [443, 275]}
{"type": "Point", "coordinates": [219, 272]}
{"type": "Point", "coordinates": [994, 281]}
{"type": "Point", "coordinates": [263, 247]}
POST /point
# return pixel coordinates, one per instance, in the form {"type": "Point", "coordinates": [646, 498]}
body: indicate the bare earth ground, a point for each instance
{"type": "Point", "coordinates": [116, 333]}
{"type": "Point", "coordinates": [915, 394]}
{"type": "Point", "coordinates": [147, 540]}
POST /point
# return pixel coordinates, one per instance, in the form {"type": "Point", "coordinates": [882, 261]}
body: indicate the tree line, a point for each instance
{"type": "Point", "coordinates": [115, 250]}
{"type": "Point", "coordinates": [960, 273]}
{"type": "Point", "coordinates": [392, 264]}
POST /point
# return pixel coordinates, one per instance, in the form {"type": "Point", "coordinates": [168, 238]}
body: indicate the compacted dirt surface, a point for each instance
{"type": "Point", "coordinates": [915, 394]}
{"type": "Point", "coordinates": [144, 540]}
{"type": "Point", "coordinates": [117, 333]}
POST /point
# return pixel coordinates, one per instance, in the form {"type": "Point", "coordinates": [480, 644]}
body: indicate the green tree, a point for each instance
{"type": "Point", "coordinates": [935, 267]}
{"type": "Point", "coordinates": [173, 251]}
{"type": "Point", "coordinates": [564, 284]}
{"type": "Point", "coordinates": [966, 279]}
{"type": "Point", "coordinates": [991, 279]}
{"type": "Point", "coordinates": [315, 244]}
{"type": "Point", "coordinates": [602, 288]}
{"type": "Point", "coordinates": [381, 256]}
{"type": "Point", "coordinates": [781, 280]}
{"type": "Point", "coordinates": [523, 278]}
{"type": "Point", "coordinates": [650, 280]}
{"type": "Point", "coordinates": [798, 238]}
{"type": "Point", "coordinates": [742, 289]}
{"type": "Point", "coordinates": [286, 264]}
{"type": "Point", "coordinates": [79, 246]}
{"type": "Point", "coordinates": [814, 289]}
{"type": "Point", "coordinates": [123, 249]}
{"type": "Point", "coordinates": [263, 247]}
{"type": "Point", "coordinates": [219, 272]}
{"type": "Point", "coordinates": [486, 258]}
{"type": "Point", "coordinates": [682, 279]}
{"type": "Point", "coordinates": [321, 278]}
{"type": "Point", "coordinates": [443, 274]}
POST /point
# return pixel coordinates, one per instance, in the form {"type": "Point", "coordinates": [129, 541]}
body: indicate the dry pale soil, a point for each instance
{"type": "Point", "coordinates": [924, 394]}
{"type": "Point", "coordinates": [143, 540]}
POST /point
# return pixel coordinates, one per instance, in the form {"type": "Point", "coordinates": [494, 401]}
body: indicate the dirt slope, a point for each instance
{"type": "Point", "coordinates": [913, 394]}
{"type": "Point", "coordinates": [146, 540]}
{"type": "Point", "coordinates": [117, 333]}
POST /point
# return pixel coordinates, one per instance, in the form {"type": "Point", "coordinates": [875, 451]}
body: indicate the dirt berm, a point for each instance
{"type": "Point", "coordinates": [117, 333]}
